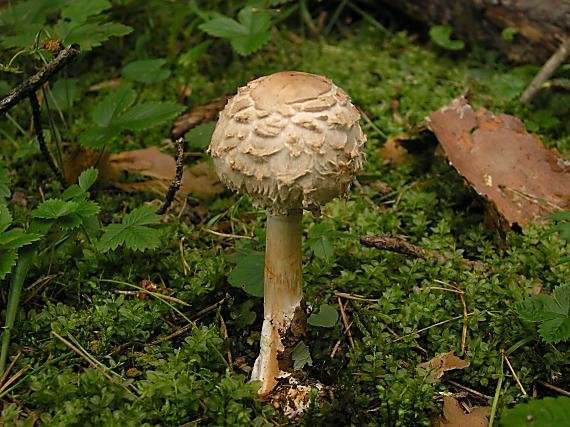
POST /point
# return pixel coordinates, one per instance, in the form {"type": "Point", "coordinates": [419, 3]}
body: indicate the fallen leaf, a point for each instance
{"type": "Point", "coordinates": [519, 178]}
{"type": "Point", "coordinates": [199, 178]}
{"type": "Point", "coordinates": [199, 114]}
{"type": "Point", "coordinates": [83, 159]}
{"type": "Point", "coordinates": [454, 416]}
{"type": "Point", "coordinates": [393, 152]}
{"type": "Point", "coordinates": [442, 363]}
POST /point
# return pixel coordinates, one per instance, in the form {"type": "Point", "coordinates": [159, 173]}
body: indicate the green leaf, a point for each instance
{"type": "Point", "coordinates": [244, 316]}
{"type": "Point", "coordinates": [547, 412]}
{"type": "Point", "coordinates": [508, 33]}
{"type": "Point", "coordinates": [131, 232]}
{"type": "Point", "coordinates": [79, 11]}
{"type": "Point", "coordinates": [141, 216]}
{"type": "Point", "coordinates": [562, 297]}
{"type": "Point", "coordinates": [4, 184]}
{"type": "Point", "coordinates": [248, 274]}
{"type": "Point", "coordinates": [98, 137]}
{"type": "Point", "coordinates": [301, 356]}
{"type": "Point", "coordinates": [245, 36]}
{"type": "Point", "coordinates": [325, 317]}
{"type": "Point", "coordinates": [5, 218]}
{"type": "Point", "coordinates": [146, 71]}
{"type": "Point", "coordinates": [62, 94]}
{"type": "Point", "coordinates": [88, 178]}
{"type": "Point", "coordinates": [108, 109]}
{"type": "Point", "coordinates": [54, 208]}
{"type": "Point", "coordinates": [321, 247]}
{"type": "Point", "coordinates": [94, 34]}
{"type": "Point", "coordinates": [555, 330]}
{"type": "Point", "coordinates": [441, 36]}
{"type": "Point", "coordinates": [7, 261]}
{"type": "Point", "coordinates": [560, 216]}
{"type": "Point", "coordinates": [192, 54]}
{"type": "Point", "coordinates": [538, 308]}
{"type": "Point", "coordinates": [16, 238]}
{"type": "Point", "coordinates": [199, 137]}
{"type": "Point", "coordinates": [144, 116]}
{"type": "Point", "coordinates": [87, 208]}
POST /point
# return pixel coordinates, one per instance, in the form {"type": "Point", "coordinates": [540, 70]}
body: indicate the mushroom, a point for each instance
{"type": "Point", "coordinates": [290, 140]}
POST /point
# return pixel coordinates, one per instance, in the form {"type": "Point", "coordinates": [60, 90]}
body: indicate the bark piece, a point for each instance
{"type": "Point", "coordinates": [519, 178]}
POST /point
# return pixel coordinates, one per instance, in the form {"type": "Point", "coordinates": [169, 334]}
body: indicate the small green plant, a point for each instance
{"type": "Point", "coordinates": [116, 113]}
{"type": "Point", "coordinates": [553, 314]}
{"type": "Point", "coordinates": [246, 35]}
{"type": "Point", "coordinates": [441, 36]}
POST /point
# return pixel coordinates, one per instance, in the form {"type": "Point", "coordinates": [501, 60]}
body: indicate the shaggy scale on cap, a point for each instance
{"type": "Point", "coordinates": [289, 140]}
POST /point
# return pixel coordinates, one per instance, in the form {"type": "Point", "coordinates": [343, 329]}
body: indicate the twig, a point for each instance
{"type": "Point", "coordinates": [355, 297]}
{"type": "Point", "coordinates": [91, 362]}
{"type": "Point", "coordinates": [546, 71]}
{"type": "Point", "coordinates": [185, 265]}
{"type": "Point", "coordinates": [26, 88]}
{"type": "Point", "coordinates": [470, 390]}
{"type": "Point", "coordinates": [402, 246]}
{"type": "Point", "coordinates": [36, 116]}
{"type": "Point", "coordinates": [14, 378]}
{"type": "Point", "coordinates": [154, 294]}
{"type": "Point", "coordinates": [365, 374]}
{"type": "Point", "coordinates": [345, 322]}
{"type": "Point", "coordinates": [554, 388]}
{"type": "Point", "coordinates": [429, 327]}
{"type": "Point", "coordinates": [229, 236]}
{"type": "Point", "coordinates": [226, 337]}
{"type": "Point", "coordinates": [9, 368]}
{"type": "Point", "coordinates": [464, 328]}
{"type": "Point", "coordinates": [335, 349]}
{"type": "Point", "coordinates": [177, 181]}
{"type": "Point", "coordinates": [516, 377]}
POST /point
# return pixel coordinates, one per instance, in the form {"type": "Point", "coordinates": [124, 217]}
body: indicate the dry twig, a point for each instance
{"type": "Point", "coordinates": [177, 181]}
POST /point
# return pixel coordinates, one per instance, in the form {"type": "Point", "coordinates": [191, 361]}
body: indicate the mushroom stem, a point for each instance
{"type": "Point", "coordinates": [283, 317]}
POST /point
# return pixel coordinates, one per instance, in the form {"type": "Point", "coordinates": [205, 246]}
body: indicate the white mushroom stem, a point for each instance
{"type": "Point", "coordinates": [282, 295]}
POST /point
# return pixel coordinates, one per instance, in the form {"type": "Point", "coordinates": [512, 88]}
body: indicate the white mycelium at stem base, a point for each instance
{"type": "Point", "coordinates": [290, 140]}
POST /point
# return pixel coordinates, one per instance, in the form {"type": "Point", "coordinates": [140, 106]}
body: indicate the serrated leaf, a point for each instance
{"type": "Point", "coordinates": [79, 11]}
{"type": "Point", "coordinates": [248, 274]}
{"type": "Point", "coordinates": [88, 178]}
{"type": "Point", "coordinates": [555, 330]}
{"type": "Point", "coordinates": [91, 35]}
{"type": "Point", "coordinates": [547, 412]}
{"type": "Point", "coordinates": [69, 222]}
{"type": "Point", "coordinates": [325, 317]}
{"type": "Point", "coordinates": [16, 238]}
{"type": "Point", "coordinates": [146, 115]}
{"type": "Point", "coordinates": [245, 36]}
{"type": "Point", "coordinates": [562, 297]}
{"type": "Point", "coordinates": [441, 35]}
{"type": "Point", "coordinates": [301, 356]}
{"type": "Point", "coordinates": [110, 107]}
{"type": "Point", "coordinates": [132, 232]}
{"type": "Point", "coordinates": [54, 208]}
{"type": "Point", "coordinates": [538, 308]}
{"type": "Point", "coordinates": [7, 261]}
{"type": "Point", "coordinates": [87, 208]}
{"type": "Point", "coordinates": [146, 70]}
{"type": "Point", "coordinates": [141, 216]}
{"type": "Point", "coordinates": [321, 247]}
{"type": "Point", "coordinates": [5, 218]}
{"type": "Point", "coordinates": [200, 136]}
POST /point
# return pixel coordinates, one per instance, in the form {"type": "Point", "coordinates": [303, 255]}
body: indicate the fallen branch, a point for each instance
{"type": "Point", "coordinates": [546, 71]}
{"type": "Point", "coordinates": [36, 118]}
{"type": "Point", "coordinates": [177, 181]}
{"type": "Point", "coordinates": [29, 86]}
{"type": "Point", "coordinates": [402, 246]}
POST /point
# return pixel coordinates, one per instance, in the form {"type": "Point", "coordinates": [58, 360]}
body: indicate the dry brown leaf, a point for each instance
{"type": "Point", "coordinates": [393, 152]}
{"type": "Point", "coordinates": [454, 416]}
{"type": "Point", "coordinates": [442, 363]}
{"type": "Point", "coordinates": [199, 178]}
{"type": "Point", "coordinates": [511, 169]}
{"type": "Point", "coordinates": [81, 159]}
{"type": "Point", "coordinates": [199, 114]}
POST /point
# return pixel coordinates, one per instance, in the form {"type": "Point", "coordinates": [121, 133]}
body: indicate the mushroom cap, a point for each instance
{"type": "Point", "coordinates": [289, 140]}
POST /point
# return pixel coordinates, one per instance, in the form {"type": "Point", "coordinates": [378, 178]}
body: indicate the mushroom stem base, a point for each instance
{"type": "Point", "coordinates": [283, 320]}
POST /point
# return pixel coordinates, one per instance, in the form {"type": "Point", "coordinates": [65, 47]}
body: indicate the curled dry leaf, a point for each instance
{"type": "Point", "coordinates": [454, 416]}
{"type": "Point", "coordinates": [519, 178]}
{"type": "Point", "coordinates": [393, 152]}
{"type": "Point", "coordinates": [198, 115]}
{"type": "Point", "coordinates": [442, 363]}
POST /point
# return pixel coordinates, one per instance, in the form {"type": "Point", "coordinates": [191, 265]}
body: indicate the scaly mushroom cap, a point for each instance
{"type": "Point", "coordinates": [289, 140]}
